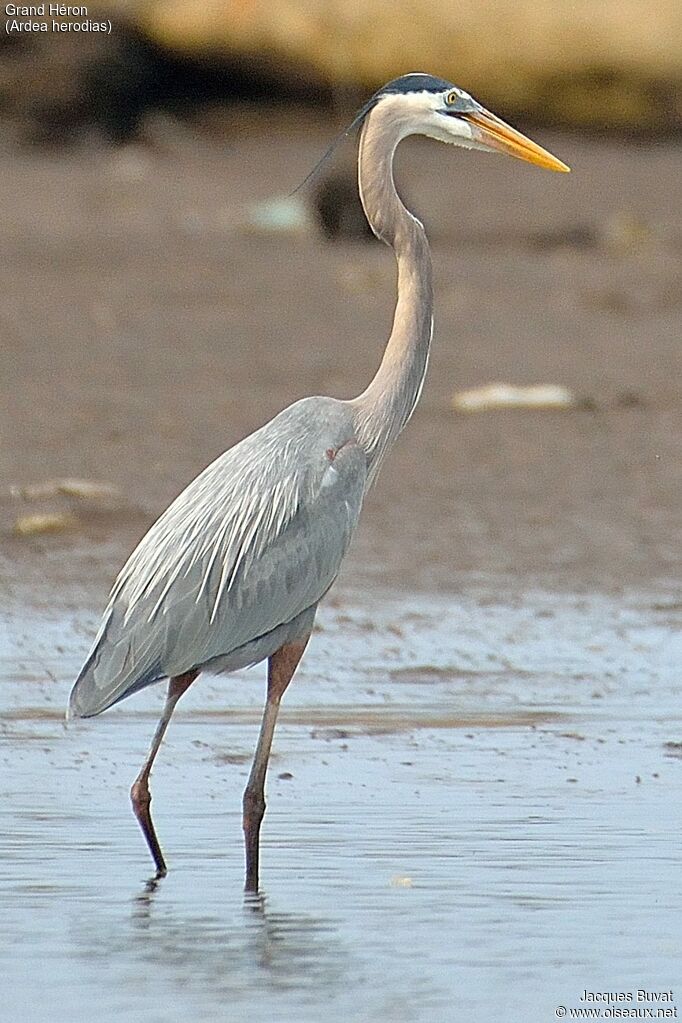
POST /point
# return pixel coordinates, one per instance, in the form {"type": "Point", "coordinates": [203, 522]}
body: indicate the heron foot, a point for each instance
{"type": "Point", "coordinates": [141, 799]}
{"type": "Point", "coordinates": [253, 813]}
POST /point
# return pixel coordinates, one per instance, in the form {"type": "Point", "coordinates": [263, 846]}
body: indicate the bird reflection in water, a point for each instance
{"type": "Point", "coordinates": [229, 954]}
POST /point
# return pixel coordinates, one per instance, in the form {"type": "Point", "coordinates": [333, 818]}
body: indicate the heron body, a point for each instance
{"type": "Point", "coordinates": [234, 568]}
{"type": "Point", "coordinates": [233, 571]}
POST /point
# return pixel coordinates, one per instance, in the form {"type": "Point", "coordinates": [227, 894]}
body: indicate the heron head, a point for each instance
{"type": "Point", "coordinates": [426, 105]}
{"type": "Point", "coordinates": [422, 104]}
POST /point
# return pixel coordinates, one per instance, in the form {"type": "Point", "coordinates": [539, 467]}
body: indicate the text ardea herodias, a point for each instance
{"type": "Point", "coordinates": [233, 571]}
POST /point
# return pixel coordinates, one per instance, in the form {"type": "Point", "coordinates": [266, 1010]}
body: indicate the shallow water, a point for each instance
{"type": "Point", "coordinates": [473, 814]}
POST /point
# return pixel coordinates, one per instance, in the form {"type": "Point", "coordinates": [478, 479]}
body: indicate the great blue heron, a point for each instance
{"type": "Point", "coordinates": [233, 571]}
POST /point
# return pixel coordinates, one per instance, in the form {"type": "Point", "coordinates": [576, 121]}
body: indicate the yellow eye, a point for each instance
{"type": "Point", "coordinates": [452, 97]}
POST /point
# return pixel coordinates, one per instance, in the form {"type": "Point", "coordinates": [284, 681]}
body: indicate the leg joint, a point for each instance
{"type": "Point", "coordinates": [253, 804]}
{"type": "Point", "coordinates": [140, 795]}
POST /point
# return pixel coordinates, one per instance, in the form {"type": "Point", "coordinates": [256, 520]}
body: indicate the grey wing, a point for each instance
{"type": "Point", "coordinates": [255, 540]}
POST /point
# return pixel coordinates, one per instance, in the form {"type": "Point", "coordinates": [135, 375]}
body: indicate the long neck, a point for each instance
{"type": "Point", "coordinates": [383, 409]}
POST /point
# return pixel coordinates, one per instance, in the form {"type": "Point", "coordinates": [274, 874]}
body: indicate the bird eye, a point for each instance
{"type": "Point", "coordinates": [452, 97]}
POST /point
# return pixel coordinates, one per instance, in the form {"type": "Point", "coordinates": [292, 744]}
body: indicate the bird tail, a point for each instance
{"type": "Point", "coordinates": [108, 674]}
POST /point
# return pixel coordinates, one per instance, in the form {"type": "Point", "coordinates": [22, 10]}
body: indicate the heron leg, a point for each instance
{"type": "Point", "coordinates": [139, 793]}
{"type": "Point", "coordinates": [281, 668]}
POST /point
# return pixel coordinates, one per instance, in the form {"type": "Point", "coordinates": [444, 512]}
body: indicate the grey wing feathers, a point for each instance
{"type": "Point", "coordinates": [257, 538]}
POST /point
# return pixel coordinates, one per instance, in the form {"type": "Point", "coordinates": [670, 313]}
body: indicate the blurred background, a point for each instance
{"type": "Point", "coordinates": [165, 293]}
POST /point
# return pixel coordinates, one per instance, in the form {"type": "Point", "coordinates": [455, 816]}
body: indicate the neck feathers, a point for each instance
{"type": "Point", "coordinates": [383, 409]}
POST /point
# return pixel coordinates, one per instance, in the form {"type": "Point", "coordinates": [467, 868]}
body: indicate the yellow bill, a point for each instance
{"type": "Point", "coordinates": [497, 134]}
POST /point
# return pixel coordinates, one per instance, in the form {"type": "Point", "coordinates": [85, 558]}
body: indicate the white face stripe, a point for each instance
{"type": "Point", "coordinates": [414, 102]}
{"type": "Point", "coordinates": [421, 113]}
{"type": "Point", "coordinates": [425, 99]}
{"type": "Point", "coordinates": [462, 94]}
{"type": "Point", "coordinates": [438, 94]}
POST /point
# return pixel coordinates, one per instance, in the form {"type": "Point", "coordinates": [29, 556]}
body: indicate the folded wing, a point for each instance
{"type": "Point", "coordinates": [253, 541]}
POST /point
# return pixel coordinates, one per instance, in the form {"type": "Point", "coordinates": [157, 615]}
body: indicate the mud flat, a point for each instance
{"type": "Point", "coordinates": [145, 327]}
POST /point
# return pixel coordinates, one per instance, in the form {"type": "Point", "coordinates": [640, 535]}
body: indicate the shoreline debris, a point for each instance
{"type": "Point", "coordinates": [502, 396]}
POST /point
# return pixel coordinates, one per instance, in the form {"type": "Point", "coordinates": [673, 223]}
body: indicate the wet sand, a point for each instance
{"type": "Point", "coordinates": [471, 791]}
{"type": "Point", "coordinates": [144, 330]}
